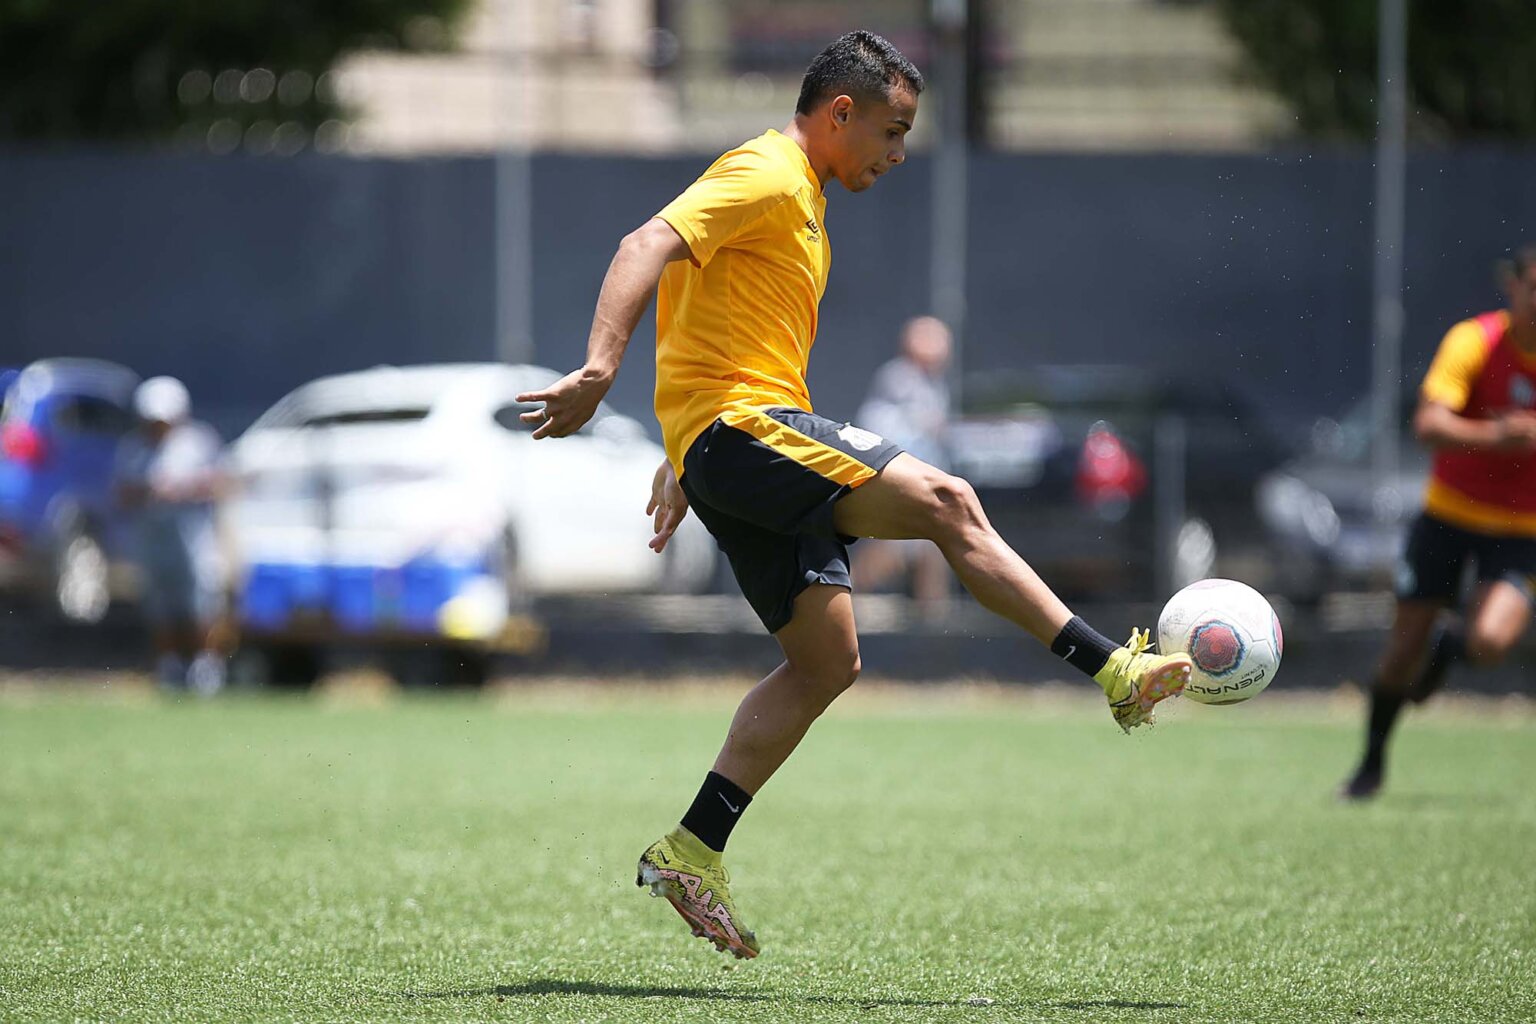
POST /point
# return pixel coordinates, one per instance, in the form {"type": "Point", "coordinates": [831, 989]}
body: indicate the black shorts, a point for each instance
{"type": "Point", "coordinates": [1437, 554]}
{"type": "Point", "coordinates": [763, 481]}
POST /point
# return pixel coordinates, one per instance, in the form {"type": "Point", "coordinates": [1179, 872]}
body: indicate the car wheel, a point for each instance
{"type": "Point", "coordinates": [448, 667]}
{"type": "Point", "coordinates": [81, 579]}
{"type": "Point", "coordinates": [276, 665]}
{"type": "Point", "coordinates": [464, 667]}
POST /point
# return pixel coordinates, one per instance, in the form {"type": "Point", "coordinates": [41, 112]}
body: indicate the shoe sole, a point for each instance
{"type": "Point", "coordinates": [1168, 681]}
{"type": "Point", "coordinates": [702, 928]}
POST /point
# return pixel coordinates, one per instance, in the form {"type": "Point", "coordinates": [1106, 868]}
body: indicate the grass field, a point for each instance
{"type": "Point", "coordinates": [923, 858]}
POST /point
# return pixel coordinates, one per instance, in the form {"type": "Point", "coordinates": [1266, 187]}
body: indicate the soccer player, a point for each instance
{"type": "Point", "coordinates": [1477, 411]}
{"type": "Point", "coordinates": [741, 261]}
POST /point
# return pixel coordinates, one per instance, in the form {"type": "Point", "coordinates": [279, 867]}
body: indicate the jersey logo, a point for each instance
{"type": "Point", "coordinates": [815, 228]}
{"type": "Point", "coordinates": [858, 438]}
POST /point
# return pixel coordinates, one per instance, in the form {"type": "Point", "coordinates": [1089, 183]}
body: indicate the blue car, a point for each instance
{"type": "Point", "coordinates": [61, 533]}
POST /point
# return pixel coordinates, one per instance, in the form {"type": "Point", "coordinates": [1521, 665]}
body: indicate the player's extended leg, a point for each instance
{"type": "Point", "coordinates": [821, 660]}
{"type": "Point", "coordinates": [913, 499]}
{"type": "Point", "coordinates": [1411, 629]}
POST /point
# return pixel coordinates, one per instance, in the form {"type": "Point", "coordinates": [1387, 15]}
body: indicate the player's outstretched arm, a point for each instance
{"type": "Point", "coordinates": [627, 290]}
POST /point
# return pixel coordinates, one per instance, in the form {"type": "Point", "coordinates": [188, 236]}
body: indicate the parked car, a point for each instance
{"type": "Point", "coordinates": [62, 536]}
{"type": "Point", "coordinates": [1333, 525]}
{"type": "Point", "coordinates": [413, 501]}
{"type": "Point", "coordinates": [1067, 462]}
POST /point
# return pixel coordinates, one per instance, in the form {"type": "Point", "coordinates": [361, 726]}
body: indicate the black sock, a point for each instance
{"type": "Point", "coordinates": [715, 810]}
{"type": "Point", "coordinates": [1082, 646]}
{"type": "Point", "coordinates": [1385, 707]}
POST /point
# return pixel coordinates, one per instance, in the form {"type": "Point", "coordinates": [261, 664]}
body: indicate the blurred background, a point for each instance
{"type": "Point", "coordinates": [1190, 259]}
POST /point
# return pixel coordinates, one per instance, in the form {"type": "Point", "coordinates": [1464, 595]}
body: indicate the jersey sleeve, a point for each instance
{"type": "Point", "coordinates": [1462, 355]}
{"type": "Point", "coordinates": [725, 201]}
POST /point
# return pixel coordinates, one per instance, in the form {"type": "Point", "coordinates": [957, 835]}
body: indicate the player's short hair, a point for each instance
{"type": "Point", "coordinates": [860, 64]}
{"type": "Point", "coordinates": [1520, 260]}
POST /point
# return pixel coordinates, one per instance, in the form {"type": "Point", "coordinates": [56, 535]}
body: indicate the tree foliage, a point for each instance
{"type": "Point", "coordinates": [1470, 69]}
{"type": "Point", "coordinates": [142, 69]}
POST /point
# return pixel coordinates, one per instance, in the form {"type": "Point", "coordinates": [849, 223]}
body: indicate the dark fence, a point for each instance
{"type": "Point", "coordinates": [247, 276]}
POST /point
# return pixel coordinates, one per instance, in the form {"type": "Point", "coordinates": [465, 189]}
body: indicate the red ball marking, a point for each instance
{"type": "Point", "coordinates": [1215, 647]}
{"type": "Point", "coordinates": [1279, 636]}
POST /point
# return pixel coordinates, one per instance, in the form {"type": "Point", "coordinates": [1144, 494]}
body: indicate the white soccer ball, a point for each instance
{"type": "Point", "coordinates": [1231, 634]}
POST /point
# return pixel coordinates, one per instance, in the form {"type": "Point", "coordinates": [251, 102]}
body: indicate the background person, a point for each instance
{"type": "Point", "coordinates": [1477, 411]}
{"type": "Point", "coordinates": [168, 476]}
{"type": "Point", "coordinates": [909, 403]}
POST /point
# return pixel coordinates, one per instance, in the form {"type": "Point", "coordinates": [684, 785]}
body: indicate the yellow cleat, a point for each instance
{"type": "Point", "coordinates": [1135, 680]}
{"type": "Point", "coordinates": [689, 875]}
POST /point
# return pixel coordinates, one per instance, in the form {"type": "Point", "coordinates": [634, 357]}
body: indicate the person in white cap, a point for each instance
{"type": "Point", "coordinates": [168, 475]}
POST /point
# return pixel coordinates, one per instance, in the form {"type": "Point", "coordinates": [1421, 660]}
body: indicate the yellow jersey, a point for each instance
{"type": "Point", "coordinates": [735, 322]}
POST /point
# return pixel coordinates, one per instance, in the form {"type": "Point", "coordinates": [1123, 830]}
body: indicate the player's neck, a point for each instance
{"type": "Point", "coordinates": [797, 134]}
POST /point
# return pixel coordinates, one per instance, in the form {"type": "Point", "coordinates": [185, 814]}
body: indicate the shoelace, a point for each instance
{"type": "Point", "coordinates": [1140, 641]}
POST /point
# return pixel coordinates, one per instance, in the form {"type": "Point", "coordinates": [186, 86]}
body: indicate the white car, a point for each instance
{"type": "Point", "coordinates": [415, 500]}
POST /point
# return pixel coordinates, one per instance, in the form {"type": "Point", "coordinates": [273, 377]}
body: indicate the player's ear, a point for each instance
{"type": "Point", "coordinates": [841, 110]}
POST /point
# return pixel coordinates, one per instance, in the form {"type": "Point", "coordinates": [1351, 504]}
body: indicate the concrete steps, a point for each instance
{"type": "Point", "coordinates": [1124, 74]}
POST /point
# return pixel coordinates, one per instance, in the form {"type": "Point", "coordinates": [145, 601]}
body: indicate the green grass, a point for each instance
{"type": "Point", "coordinates": [472, 858]}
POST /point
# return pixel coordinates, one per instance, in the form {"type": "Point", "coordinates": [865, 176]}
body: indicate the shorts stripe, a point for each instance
{"type": "Point", "coordinates": [823, 460]}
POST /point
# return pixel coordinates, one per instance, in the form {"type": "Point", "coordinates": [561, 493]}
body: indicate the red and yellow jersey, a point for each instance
{"type": "Point", "coordinates": [735, 322]}
{"type": "Point", "coordinates": [1479, 373]}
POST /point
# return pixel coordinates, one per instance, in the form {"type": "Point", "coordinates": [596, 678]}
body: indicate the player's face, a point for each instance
{"type": "Point", "coordinates": [872, 136]}
{"type": "Point", "coordinates": [1522, 295]}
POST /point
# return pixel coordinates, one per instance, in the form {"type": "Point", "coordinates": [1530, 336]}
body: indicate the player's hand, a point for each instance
{"type": "Point", "coordinates": [568, 403]}
{"type": "Point", "coordinates": [1518, 431]}
{"type": "Point", "coordinates": [668, 506]}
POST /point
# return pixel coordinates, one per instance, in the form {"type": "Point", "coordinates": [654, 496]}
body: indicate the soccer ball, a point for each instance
{"type": "Point", "coordinates": [1231, 634]}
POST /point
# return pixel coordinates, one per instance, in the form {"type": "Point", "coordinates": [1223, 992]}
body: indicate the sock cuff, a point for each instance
{"type": "Point", "coordinates": [734, 793]}
{"type": "Point", "coordinates": [715, 811]}
{"type": "Point", "coordinates": [1083, 647]}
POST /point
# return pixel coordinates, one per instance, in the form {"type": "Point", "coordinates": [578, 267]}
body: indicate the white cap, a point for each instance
{"type": "Point", "coordinates": [164, 399]}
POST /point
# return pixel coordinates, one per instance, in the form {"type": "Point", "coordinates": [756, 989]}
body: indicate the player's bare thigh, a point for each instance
{"type": "Point", "coordinates": [908, 499]}
{"type": "Point", "coordinates": [821, 641]}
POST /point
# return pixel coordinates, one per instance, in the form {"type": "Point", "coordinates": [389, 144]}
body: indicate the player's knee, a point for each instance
{"type": "Point", "coordinates": [842, 674]}
{"type": "Point", "coordinates": [955, 507]}
{"type": "Point", "coordinates": [831, 676]}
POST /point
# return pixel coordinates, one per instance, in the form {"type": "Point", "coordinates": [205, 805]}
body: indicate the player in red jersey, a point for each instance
{"type": "Point", "coordinates": [1477, 412]}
